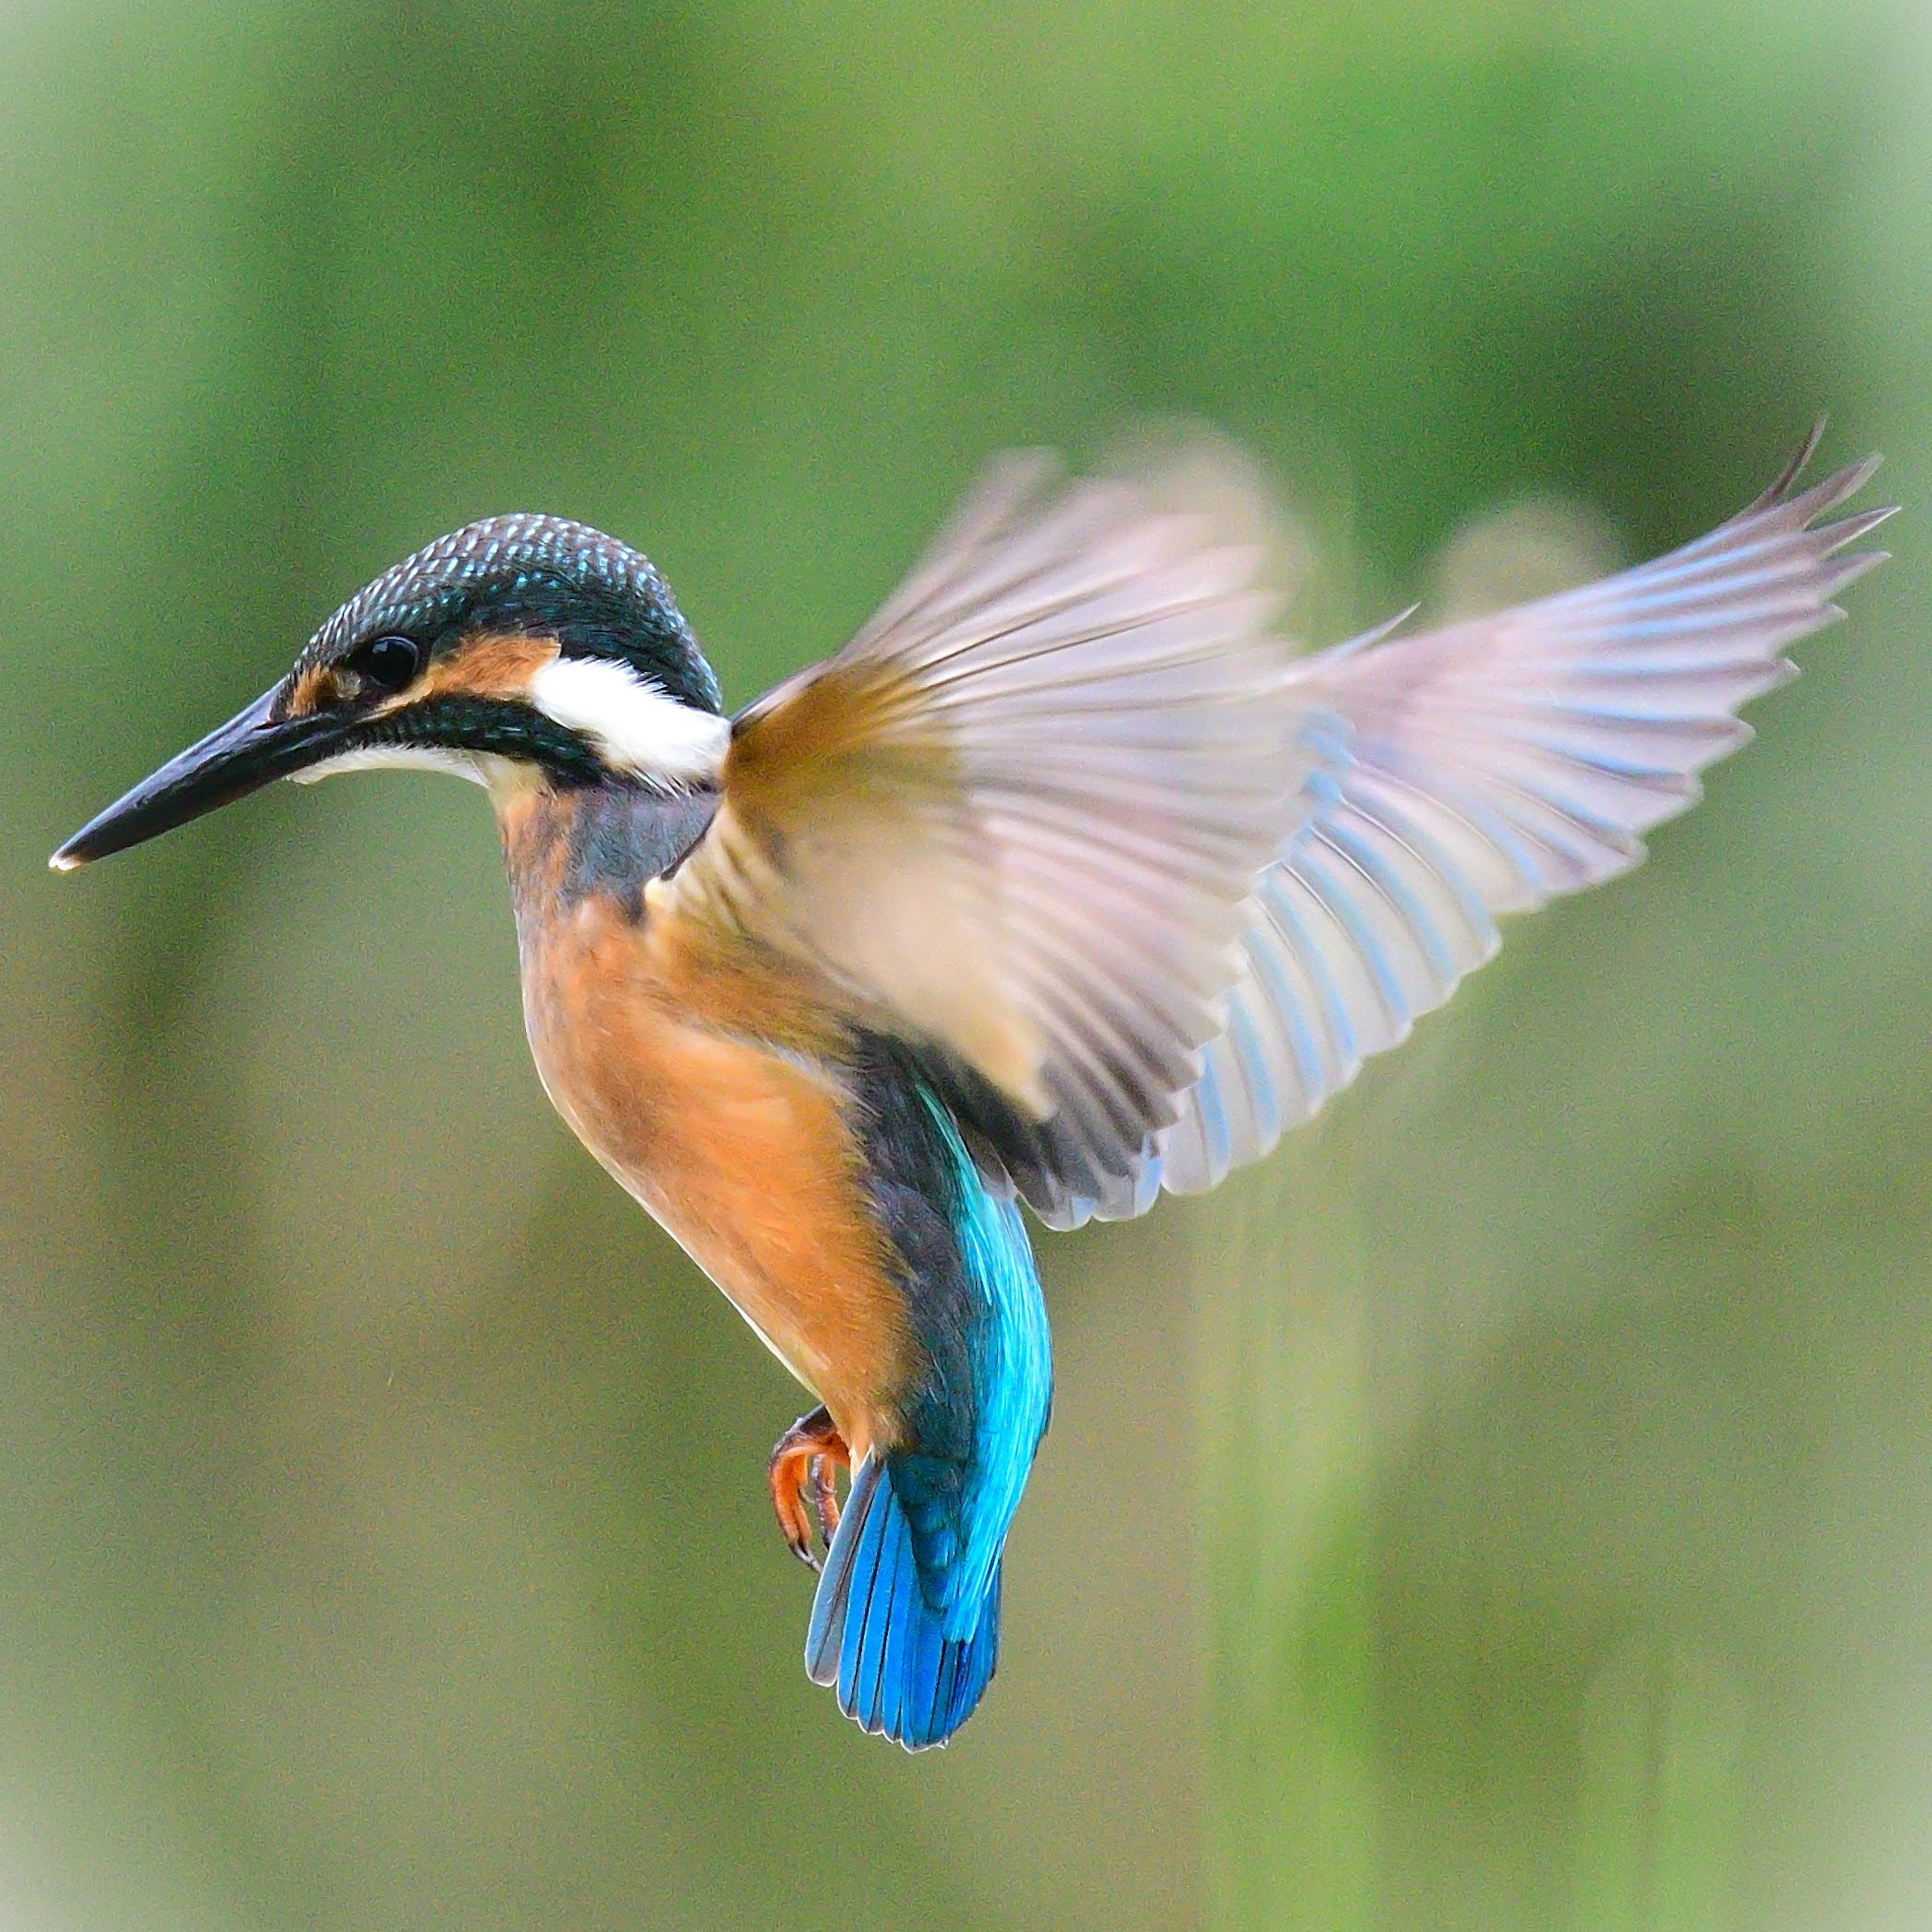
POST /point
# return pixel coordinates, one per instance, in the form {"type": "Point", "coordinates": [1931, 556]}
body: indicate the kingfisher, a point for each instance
{"type": "Point", "coordinates": [1066, 882]}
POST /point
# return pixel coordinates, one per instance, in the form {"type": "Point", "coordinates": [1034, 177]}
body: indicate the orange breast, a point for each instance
{"type": "Point", "coordinates": [641, 1034]}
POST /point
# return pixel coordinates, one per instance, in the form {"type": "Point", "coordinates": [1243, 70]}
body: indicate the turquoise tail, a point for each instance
{"type": "Point", "coordinates": [874, 1635]}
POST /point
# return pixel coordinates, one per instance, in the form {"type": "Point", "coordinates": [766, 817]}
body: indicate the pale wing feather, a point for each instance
{"type": "Point", "coordinates": [1483, 769]}
{"type": "Point", "coordinates": [1018, 819]}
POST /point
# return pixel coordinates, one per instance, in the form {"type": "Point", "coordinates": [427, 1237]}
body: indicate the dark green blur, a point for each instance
{"type": "Point", "coordinates": [1511, 1508]}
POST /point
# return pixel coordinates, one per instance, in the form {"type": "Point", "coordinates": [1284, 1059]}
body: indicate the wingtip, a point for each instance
{"type": "Point", "coordinates": [1804, 510]}
{"type": "Point", "coordinates": [1780, 488]}
{"type": "Point", "coordinates": [1363, 640]}
{"type": "Point", "coordinates": [1848, 482]}
{"type": "Point", "coordinates": [1862, 522]}
{"type": "Point", "coordinates": [1783, 494]}
{"type": "Point", "coordinates": [1845, 570]}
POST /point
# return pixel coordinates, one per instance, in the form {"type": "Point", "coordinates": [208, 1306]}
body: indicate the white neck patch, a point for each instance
{"type": "Point", "coordinates": [637, 726]}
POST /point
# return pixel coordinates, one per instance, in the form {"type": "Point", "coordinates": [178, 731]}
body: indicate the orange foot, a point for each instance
{"type": "Point", "coordinates": [801, 1475]}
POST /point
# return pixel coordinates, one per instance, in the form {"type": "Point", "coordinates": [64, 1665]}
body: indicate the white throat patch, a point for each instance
{"type": "Point", "coordinates": [396, 758]}
{"type": "Point", "coordinates": [637, 725]}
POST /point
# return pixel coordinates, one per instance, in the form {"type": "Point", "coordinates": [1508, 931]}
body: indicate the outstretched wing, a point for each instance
{"type": "Point", "coordinates": [1017, 820]}
{"type": "Point", "coordinates": [1483, 769]}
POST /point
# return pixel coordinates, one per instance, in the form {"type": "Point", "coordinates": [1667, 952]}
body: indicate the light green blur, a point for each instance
{"type": "Point", "coordinates": [1511, 1508]}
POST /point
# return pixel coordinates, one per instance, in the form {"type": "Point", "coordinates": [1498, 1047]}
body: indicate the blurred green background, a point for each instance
{"type": "Point", "coordinates": [1511, 1507]}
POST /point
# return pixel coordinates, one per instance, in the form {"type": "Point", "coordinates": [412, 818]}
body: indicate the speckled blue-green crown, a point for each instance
{"type": "Point", "coordinates": [534, 576]}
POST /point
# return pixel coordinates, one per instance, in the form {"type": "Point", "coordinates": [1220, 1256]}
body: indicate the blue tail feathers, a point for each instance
{"type": "Point", "coordinates": [874, 1635]}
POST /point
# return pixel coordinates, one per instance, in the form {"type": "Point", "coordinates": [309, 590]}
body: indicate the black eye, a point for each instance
{"type": "Point", "coordinates": [390, 662]}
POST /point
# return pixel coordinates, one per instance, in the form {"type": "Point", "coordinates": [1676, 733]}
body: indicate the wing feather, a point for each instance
{"type": "Point", "coordinates": [1480, 770]}
{"type": "Point", "coordinates": [1017, 820]}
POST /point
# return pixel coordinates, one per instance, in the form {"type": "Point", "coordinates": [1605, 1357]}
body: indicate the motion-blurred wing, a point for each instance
{"type": "Point", "coordinates": [1018, 819]}
{"type": "Point", "coordinates": [1483, 769]}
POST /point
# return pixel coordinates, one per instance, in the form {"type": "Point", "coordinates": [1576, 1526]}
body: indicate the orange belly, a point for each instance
{"type": "Point", "coordinates": [742, 1152]}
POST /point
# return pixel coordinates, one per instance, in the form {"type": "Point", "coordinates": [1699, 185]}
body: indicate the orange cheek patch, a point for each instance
{"type": "Point", "coordinates": [479, 667]}
{"type": "Point", "coordinates": [486, 667]}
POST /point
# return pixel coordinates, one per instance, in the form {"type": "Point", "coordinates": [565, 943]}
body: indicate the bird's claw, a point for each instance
{"type": "Point", "coordinates": [805, 1494]}
{"type": "Point", "coordinates": [821, 1491]}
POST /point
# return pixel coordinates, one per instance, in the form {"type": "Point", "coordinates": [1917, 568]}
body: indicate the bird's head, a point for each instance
{"type": "Point", "coordinates": [519, 648]}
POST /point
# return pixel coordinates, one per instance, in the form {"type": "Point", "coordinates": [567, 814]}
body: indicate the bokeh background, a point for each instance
{"type": "Point", "coordinates": [1511, 1507]}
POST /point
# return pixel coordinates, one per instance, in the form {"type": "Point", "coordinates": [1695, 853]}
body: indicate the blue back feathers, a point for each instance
{"type": "Point", "coordinates": [906, 1620]}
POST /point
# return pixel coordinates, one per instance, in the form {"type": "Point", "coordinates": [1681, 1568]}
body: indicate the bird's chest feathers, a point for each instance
{"type": "Point", "coordinates": [657, 1045]}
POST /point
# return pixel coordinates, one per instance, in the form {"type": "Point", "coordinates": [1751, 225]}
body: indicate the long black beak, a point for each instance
{"type": "Point", "coordinates": [241, 756]}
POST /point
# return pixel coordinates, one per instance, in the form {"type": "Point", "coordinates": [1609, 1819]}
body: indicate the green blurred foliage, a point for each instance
{"type": "Point", "coordinates": [1511, 1507]}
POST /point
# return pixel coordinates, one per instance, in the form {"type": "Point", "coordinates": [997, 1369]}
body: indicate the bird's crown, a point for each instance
{"type": "Point", "coordinates": [526, 575]}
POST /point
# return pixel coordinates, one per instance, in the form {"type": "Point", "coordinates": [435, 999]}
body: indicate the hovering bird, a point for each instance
{"type": "Point", "coordinates": [1063, 882]}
